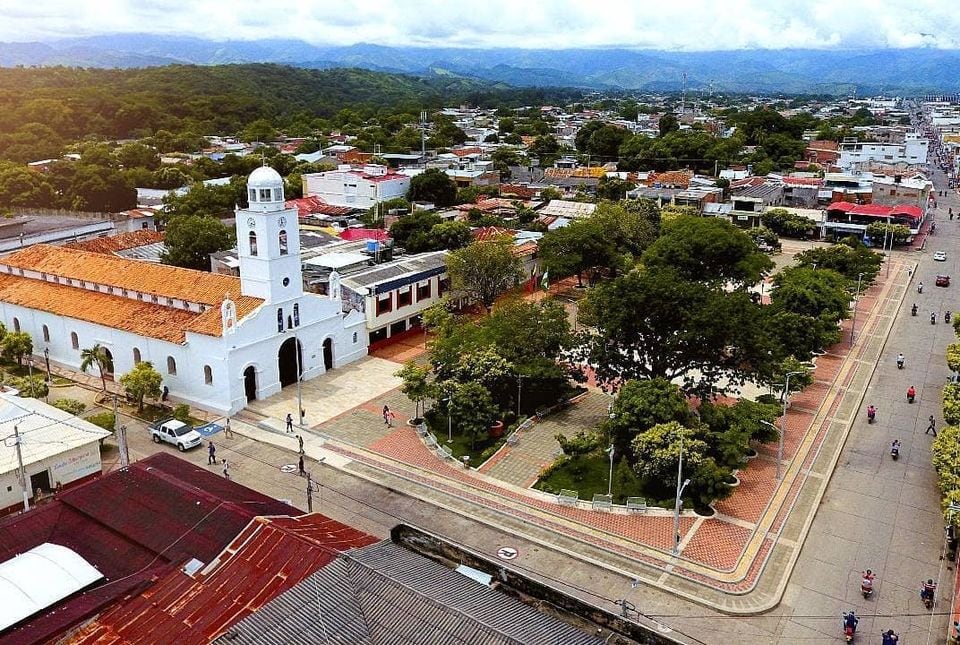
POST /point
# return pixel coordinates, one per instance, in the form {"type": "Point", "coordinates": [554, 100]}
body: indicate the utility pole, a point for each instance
{"type": "Point", "coordinates": [423, 136]}
{"type": "Point", "coordinates": [121, 431]}
{"type": "Point", "coordinates": [20, 471]}
{"type": "Point", "coordinates": [309, 492]}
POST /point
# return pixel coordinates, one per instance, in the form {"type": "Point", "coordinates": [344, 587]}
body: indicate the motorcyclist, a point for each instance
{"type": "Point", "coordinates": [890, 638]}
{"type": "Point", "coordinates": [929, 590]}
{"type": "Point", "coordinates": [913, 309]}
{"type": "Point", "coordinates": [866, 584]}
{"type": "Point", "coordinates": [911, 393]}
{"type": "Point", "coordinates": [920, 287]}
{"type": "Point", "coordinates": [900, 360]}
{"type": "Point", "coordinates": [933, 318]}
{"type": "Point", "coordinates": [871, 412]}
{"type": "Point", "coordinates": [895, 447]}
{"type": "Point", "coordinates": [850, 621]}
{"type": "Point", "coordinates": [946, 316]}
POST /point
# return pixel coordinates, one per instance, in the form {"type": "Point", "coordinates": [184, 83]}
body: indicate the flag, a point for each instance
{"type": "Point", "coordinates": [545, 281]}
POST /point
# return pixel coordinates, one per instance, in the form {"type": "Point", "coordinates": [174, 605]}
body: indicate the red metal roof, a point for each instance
{"type": "Point", "coordinates": [268, 557]}
{"type": "Point", "coordinates": [354, 234]}
{"type": "Point", "coordinates": [133, 525]}
{"type": "Point", "coordinates": [485, 233]}
{"type": "Point", "coordinates": [877, 210]}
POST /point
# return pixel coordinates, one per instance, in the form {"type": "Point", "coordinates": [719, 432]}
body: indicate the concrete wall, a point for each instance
{"type": "Point", "coordinates": [80, 463]}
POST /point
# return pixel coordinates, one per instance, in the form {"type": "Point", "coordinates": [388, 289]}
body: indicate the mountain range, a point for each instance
{"type": "Point", "coordinates": [789, 71]}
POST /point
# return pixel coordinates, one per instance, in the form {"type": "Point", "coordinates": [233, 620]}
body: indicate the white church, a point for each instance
{"type": "Point", "coordinates": [218, 341]}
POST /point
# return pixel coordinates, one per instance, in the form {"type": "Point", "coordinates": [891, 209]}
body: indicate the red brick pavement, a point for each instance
{"type": "Point", "coordinates": [750, 499]}
{"type": "Point", "coordinates": [717, 544]}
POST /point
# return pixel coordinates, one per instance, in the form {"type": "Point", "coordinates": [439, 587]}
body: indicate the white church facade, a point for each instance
{"type": "Point", "coordinates": [218, 341]}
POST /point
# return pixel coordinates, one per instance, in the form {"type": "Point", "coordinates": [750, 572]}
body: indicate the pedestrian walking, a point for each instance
{"type": "Point", "coordinates": [227, 432]}
{"type": "Point", "coordinates": [289, 422]}
{"type": "Point", "coordinates": [386, 415]}
{"type": "Point", "coordinates": [391, 418]}
{"type": "Point", "coordinates": [211, 454]}
{"type": "Point", "coordinates": [932, 427]}
{"type": "Point", "coordinates": [226, 469]}
{"type": "Point", "coordinates": [302, 470]}
{"type": "Point", "coordinates": [300, 441]}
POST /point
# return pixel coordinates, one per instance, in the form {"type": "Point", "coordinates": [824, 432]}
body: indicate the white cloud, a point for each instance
{"type": "Point", "coordinates": [690, 25]}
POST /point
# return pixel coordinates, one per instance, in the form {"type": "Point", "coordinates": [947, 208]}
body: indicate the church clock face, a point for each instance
{"type": "Point", "coordinates": [251, 222]}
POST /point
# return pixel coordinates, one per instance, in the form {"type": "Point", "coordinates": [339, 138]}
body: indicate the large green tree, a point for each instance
{"type": "Point", "coordinates": [707, 249]}
{"type": "Point", "coordinates": [484, 270]}
{"type": "Point", "coordinates": [641, 404]}
{"type": "Point", "coordinates": [435, 186]}
{"type": "Point", "coordinates": [652, 323]}
{"type": "Point", "coordinates": [99, 356]}
{"type": "Point", "coordinates": [190, 239]}
{"type": "Point", "coordinates": [141, 382]}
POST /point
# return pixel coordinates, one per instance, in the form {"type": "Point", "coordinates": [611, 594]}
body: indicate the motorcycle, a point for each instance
{"type": "Point", "coordinates": [871, 414]}
{"type": "Point", "coordinates": [849, 626]}
{"type": "Point", "coordinates": [895, 450]}
{"type": "Point", "coordinates": [911, 396]}
{"type": "Point", "coordinates": [933, 318]}
{"type": "Point", "coordinates": [920, 288]}
{"type": "Point", "coordinates": [946, 317]}
{"type": "Point", "coordinates": [913, 310]}
{"type": "Point", "coordinates": [928, 597]}
{"type": "Point", "coordinates": [900, 362]}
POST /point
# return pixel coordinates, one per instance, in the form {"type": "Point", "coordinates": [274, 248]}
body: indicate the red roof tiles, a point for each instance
{"type": "Point", "coordinates": [120, 242]}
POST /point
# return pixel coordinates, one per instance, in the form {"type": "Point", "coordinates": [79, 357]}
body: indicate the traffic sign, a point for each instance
{"type": "Point", "coordinates": [507, 553]}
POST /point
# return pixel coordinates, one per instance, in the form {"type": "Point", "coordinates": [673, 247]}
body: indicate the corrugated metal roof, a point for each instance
{"type": "Point", "coordinates": [268, 557]}
{"type": "Point", "coordinates": [387, 595]}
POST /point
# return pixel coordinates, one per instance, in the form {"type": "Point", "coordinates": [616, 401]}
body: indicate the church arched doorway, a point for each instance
{"type": "Point", "coordinates": [289, 359]}
{"type": "Point", "coordinates": [328, 354]}
{"type": "Point", "coordinates": [107, 364]}
{"type": "Point", "coordinates": [250, 383]}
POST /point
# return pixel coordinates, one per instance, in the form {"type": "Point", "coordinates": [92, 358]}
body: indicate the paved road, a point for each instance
{"type": "Point", "coordinates": [877, 513]}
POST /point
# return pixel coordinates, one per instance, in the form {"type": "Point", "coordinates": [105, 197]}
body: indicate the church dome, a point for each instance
{"type": "Point", "coordinates": [265, 189]}
{"type": "Point", "coordinates": [265, 177]}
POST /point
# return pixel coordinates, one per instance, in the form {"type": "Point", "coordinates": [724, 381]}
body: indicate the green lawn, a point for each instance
{"type": "Point", "coordinates": [588, 474]}
{"type": "Point", "coordinates": [461, 446]}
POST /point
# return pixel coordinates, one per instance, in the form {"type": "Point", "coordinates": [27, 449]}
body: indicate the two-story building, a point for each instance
{"type": "Point", "coordinates": [356, 187]}
{"type": "Point", "coordinates": [913, 151]}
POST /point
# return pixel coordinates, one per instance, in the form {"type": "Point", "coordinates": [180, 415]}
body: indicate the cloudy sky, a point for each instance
{"type": "Point", "coordinates": [688, 25]}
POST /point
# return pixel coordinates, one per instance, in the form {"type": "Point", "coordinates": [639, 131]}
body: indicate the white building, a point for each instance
{"type": "Point", "coordinates": [912, 151]}
{"type": "Point", "coordinates": [219, 341]}
{"type": "Point", "coordinates": [57, 449]}
{"type": "Point", "coordinates": [356, 187]}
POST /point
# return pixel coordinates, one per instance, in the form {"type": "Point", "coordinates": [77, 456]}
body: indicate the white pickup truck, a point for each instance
{"type": "Point", "coordinates": [176, 433]}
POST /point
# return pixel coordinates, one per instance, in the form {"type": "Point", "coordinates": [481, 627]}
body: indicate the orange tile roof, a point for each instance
{"type": "Point", "coordinates": [159, 279]}
{"type": "Point", "coordinates": [134, 316]}
{"type": "Point", "coordinates": [119, 242]}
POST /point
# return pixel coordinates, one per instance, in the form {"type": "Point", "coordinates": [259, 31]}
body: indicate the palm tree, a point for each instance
{"type": "Point", "coordinates": [97, 355]}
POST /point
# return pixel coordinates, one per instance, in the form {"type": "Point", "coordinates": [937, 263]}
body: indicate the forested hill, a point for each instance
{"type": "Point", "coordinates": [76, 102]}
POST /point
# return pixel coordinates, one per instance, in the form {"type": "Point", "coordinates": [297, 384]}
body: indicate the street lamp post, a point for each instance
{"type": "Point", "coordinates": [449, 401]}
{"type": "Point", "coordinates": [610, 479]}
{"type": "Point", "coordinates": [856, 301]}
{"type": "Point", "coordinates": [46, 360]}
{"type": "Point", "coordinates": [676, 509]}
{"type": "Point", "coordinates": [888, 252]}
{"type": "Point", "coordinates": [783, 423]}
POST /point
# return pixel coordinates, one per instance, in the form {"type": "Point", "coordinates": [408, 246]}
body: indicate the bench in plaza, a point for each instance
{"type": "Point", "coordinates": [567, 496]}
{"type": "Point", "coordinates": [636, 505]}
{"type": "Point", "coordinates": [602, 502]}
{"type": "Point", "coordinates": [431, 441]}
{"type": "Point", "coordinates": [444, 452]}
{"type": "Point", "coordinates": [513, 438]}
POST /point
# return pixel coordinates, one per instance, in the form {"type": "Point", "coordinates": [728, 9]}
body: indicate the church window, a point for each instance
{"type": "Point", "coordinates": [46, 334]}
{"type": "Point", "coordinates": [136, 355]}
{"type": "Point", "coordinates": [283, 243]}
{"type": "Point", "coordinates": [74, 340]}
{"type": "Point", "coordinates": [16, 324]}
{"type": "Point", "coordinates": [207, 375]}
{"type": "Point", "coordinates": [285, 282]}
{"type": "Point", "coordinates": [280, 319]}
{"type": "Point", "coordinates": [253, 194]}
{"type": "Point", "coordinates": [253, 243]}
{"type": "Point", "coordinates": [171, 366]}
{"type": "Point", "coordinates": [265, 195]}
{"type": "Point", "coordinates": [354, 338]}
{"type": "Point", "coordinates": [296, 315]}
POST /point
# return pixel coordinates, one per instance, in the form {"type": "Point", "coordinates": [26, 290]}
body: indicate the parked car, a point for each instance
{"type": "Point", "coordinates": [940, 256]}
{"type": "Point", "coordinates": [176, 433]}
{"type": "Point", "coordinates": [943, 281]}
